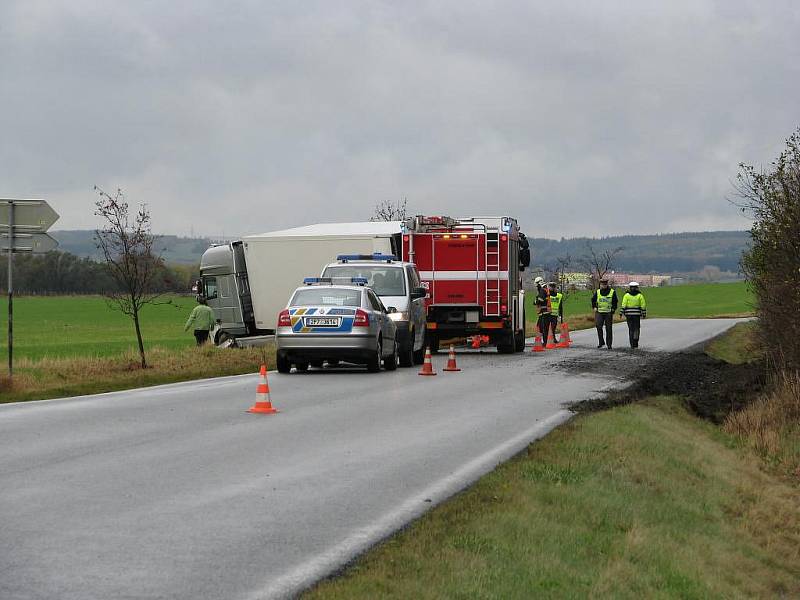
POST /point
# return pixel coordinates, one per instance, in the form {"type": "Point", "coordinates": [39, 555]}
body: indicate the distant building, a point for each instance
{"type": "Point", "coordinates": [651, 280]}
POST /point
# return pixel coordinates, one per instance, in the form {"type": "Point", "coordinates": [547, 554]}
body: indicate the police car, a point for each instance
{"type": "Point", "coordinates": [397, 284]}
{"type": "Point", "coordinates": [335, 319]}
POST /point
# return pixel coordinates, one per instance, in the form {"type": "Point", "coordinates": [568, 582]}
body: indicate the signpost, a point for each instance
{"type": "Point", "coordinates": [23, 224]}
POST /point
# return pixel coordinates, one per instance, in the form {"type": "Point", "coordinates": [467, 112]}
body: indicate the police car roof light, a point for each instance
{"type": "Point", "coordinates": [359, 280]}
{"type": "Point", "coordinates": [312, 280]}
{"type": "Point", "coordinates": [375, 256]}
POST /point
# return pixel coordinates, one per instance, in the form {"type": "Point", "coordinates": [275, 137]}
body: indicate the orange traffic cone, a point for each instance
{"type": "Point", "coordinates": [537, 344]}
{"type": "Point", "coordinates": [551, 343]}
{"type": "Point", "coordinates": [565, 341]}
{"type": "Point", "coordinates": [263, 404]}
{"type": "Point", "coordinates": [427, 366]}
{"type": "Point", "coordinates": [476, 342]}
{"type": "Point", "coordinates": [451, 360]}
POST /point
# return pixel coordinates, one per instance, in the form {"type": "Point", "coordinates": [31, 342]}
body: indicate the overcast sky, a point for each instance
{"type": "Point", "coordinates": [241, 117]}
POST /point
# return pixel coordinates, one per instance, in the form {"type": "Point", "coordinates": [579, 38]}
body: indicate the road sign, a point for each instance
{"type": "Point", "coordinates": [35, 243]}
{"type": "Point", "coordinates": [29, 215]}
{"type": "Point", "coordinates": [23, 223]}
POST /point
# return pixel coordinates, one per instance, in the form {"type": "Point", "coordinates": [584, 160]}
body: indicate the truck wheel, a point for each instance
{"type": "Point", "coordinates": [283, 364]}
{"type": "Point", "coordinates": [519, 343]}
{"type": "Point", "coordinates": [507, 343]}
{"type": "Point", "coordinates": [390, 362]}
{"type": "Point", "coordinates": [407, 352]}
{"type": "Point", "coordinates": [374, 361]}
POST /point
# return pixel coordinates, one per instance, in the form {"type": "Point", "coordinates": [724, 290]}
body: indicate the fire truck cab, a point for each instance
{"type": "Point", "coordinates": [472, 269]}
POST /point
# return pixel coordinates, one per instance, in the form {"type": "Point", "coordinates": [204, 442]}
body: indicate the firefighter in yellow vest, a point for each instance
{"type": "Point", "coordinates": [634, 309]}
{"type": "Point", "coordinates": [556, 307]}
{"type": "Point", "coordinates": [543, 309]}
{"type": "Point", "coordinates": [604, 304]}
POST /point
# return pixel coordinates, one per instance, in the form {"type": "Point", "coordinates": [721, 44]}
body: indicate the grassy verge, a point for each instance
{"type": "Point", "coordinates": [72, 376]}
{"type": "Point", "coordinates": [642, 500]}
{"type": "Point", "coordinates": [737, 346]}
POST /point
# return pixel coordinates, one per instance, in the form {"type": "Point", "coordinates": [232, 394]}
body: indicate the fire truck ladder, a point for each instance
{"type": "Point", "coordinates": [492, 275]}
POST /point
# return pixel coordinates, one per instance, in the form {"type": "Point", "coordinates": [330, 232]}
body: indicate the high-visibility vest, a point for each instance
{"type": "Point", "coordinates": [634, 305]}
{"type": "Point", "coordinates": [604, 302]}
{"type": "Point", "coordinates": [555, 302]}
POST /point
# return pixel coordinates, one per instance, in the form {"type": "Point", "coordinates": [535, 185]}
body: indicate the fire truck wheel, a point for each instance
{"type": "Point", "coordinates": [519, 342]}
{"type": "Point", "coordinates": [419, 355]}
{"type": "Point", "coordinates": [507, 343]}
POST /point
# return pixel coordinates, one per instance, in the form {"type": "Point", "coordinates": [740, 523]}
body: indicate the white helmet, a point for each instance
{"type": "Point", "coordinates": [633, 284]}
{"type": "Point", "coordinates": [538, 281]}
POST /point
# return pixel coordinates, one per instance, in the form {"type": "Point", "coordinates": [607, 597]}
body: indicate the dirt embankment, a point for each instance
{"type": "Point", "coordinates": [712, 388]}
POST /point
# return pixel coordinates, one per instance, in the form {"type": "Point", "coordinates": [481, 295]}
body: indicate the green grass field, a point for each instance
{"type": "Point", "coordinates": [61, 326]}
{"type": "Point", "coordinates": [65, 326]}
{"type": "Point", "coordinates": [680, 301]}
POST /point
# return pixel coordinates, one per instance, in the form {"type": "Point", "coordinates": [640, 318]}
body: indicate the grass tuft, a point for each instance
{"type": "Point", "coordinates": [771, 424]}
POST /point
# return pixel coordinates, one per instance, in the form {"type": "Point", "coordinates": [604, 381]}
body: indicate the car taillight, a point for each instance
{"type": "Point", "coordinates": [361, 320]}
{"type": "Point", "coordinates": [284, 320]}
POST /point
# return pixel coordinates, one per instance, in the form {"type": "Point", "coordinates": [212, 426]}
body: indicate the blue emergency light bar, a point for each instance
{"type": "Point", "coordinates": [329, 280]}
{"type": "Point", "coordinates": [375, 256]}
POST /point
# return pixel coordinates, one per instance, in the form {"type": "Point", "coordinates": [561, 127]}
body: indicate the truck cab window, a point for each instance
{"type": "Point", "coordinates": [210, 287]}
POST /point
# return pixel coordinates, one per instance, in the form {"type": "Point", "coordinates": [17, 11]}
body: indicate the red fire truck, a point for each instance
{"type": "Point", "coordinates": [472, 269]}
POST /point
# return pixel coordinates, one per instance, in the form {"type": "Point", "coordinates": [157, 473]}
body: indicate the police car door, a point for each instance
{"type": "Point", "coordinates": [386, 324]}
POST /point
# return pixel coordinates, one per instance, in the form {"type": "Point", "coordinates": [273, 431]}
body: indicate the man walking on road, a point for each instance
{"type": "Point", "coordinates": [634, 309]}
{"type": "Point", "coordinates": [543, 309]}
{"type": "Point", "coordinates": [556, 307]}
{"type": "Point", "coordinates": [201, 320]}
{"type": "Point", "coordinates": [604, 305]}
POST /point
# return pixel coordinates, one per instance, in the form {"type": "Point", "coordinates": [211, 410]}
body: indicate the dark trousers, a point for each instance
{"type": "Point", "coordinates": [554, 325]}
{"type": "Point", "coordinates": [634, 326]}
{"type": "Point", "coordinates": [201, 335]}
{"type": "Point", "coordinates": [546, 327]}
{"type": "Point", "coordinates": [604, 320]}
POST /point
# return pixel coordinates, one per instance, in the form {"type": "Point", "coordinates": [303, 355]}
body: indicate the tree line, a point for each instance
{"type": "Point", "coordinates": [64, 273]}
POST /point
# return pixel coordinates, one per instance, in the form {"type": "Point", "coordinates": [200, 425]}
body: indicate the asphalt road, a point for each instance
{"type": "Point", "coordinates": [177, 492]}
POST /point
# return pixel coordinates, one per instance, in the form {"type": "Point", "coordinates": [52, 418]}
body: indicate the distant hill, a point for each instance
{"type": "Point", "coordinates": [666, 253]}
{"type": "Point", "coordinates": [174, 249]}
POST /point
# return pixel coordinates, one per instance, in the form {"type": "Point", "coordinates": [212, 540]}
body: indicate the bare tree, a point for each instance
{"type": "Point", "coordinates": [388, 210]}
{"type": "Point", "coordinates": [127, 244]}
{"type": "Point", "coordinates": [598, 263]}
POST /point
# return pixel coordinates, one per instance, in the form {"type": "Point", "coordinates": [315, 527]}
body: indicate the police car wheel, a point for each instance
{"type": "Point", "coordinates": [283, 364]}
{"type": "Point", "coordinates": [374, 361]}
{"type": "Point", "coordinates": [390, 362]}
{"type": "Point", "coordinates": [407, 352]}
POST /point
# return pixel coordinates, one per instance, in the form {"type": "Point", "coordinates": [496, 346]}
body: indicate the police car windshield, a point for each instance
{"type": "Point", "coordinates": [326, 296]}
{"type": "Point", "coordinates": [386, 280]}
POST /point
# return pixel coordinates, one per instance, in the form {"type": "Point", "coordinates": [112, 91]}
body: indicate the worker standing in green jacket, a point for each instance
{"type": "Point", "coordinates": [201, 320]}
{"type": "Point", "coordinates": [634, 309]}
{"type": "Point", "coordinates": [556, 307]}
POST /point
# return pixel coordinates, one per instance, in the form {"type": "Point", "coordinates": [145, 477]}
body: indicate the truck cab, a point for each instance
{"type": "Point", "coordinates": [224, 284]}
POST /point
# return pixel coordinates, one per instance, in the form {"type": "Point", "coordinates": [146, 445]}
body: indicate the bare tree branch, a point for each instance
{"type": "Point", "coordinates": [126, 242]}
{"type": "Point", "coordinates": [388, 210]}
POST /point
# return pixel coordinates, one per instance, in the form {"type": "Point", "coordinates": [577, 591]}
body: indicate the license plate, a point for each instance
{"type": "Point", "coordinates": [322, 322]}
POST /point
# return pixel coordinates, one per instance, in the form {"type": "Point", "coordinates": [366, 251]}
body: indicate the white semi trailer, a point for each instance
{"type": "Point", "coordinates": [248, 282]}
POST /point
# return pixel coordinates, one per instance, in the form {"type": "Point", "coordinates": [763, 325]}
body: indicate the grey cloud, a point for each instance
{"type": "Point", "coordinates": [579, 118]}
